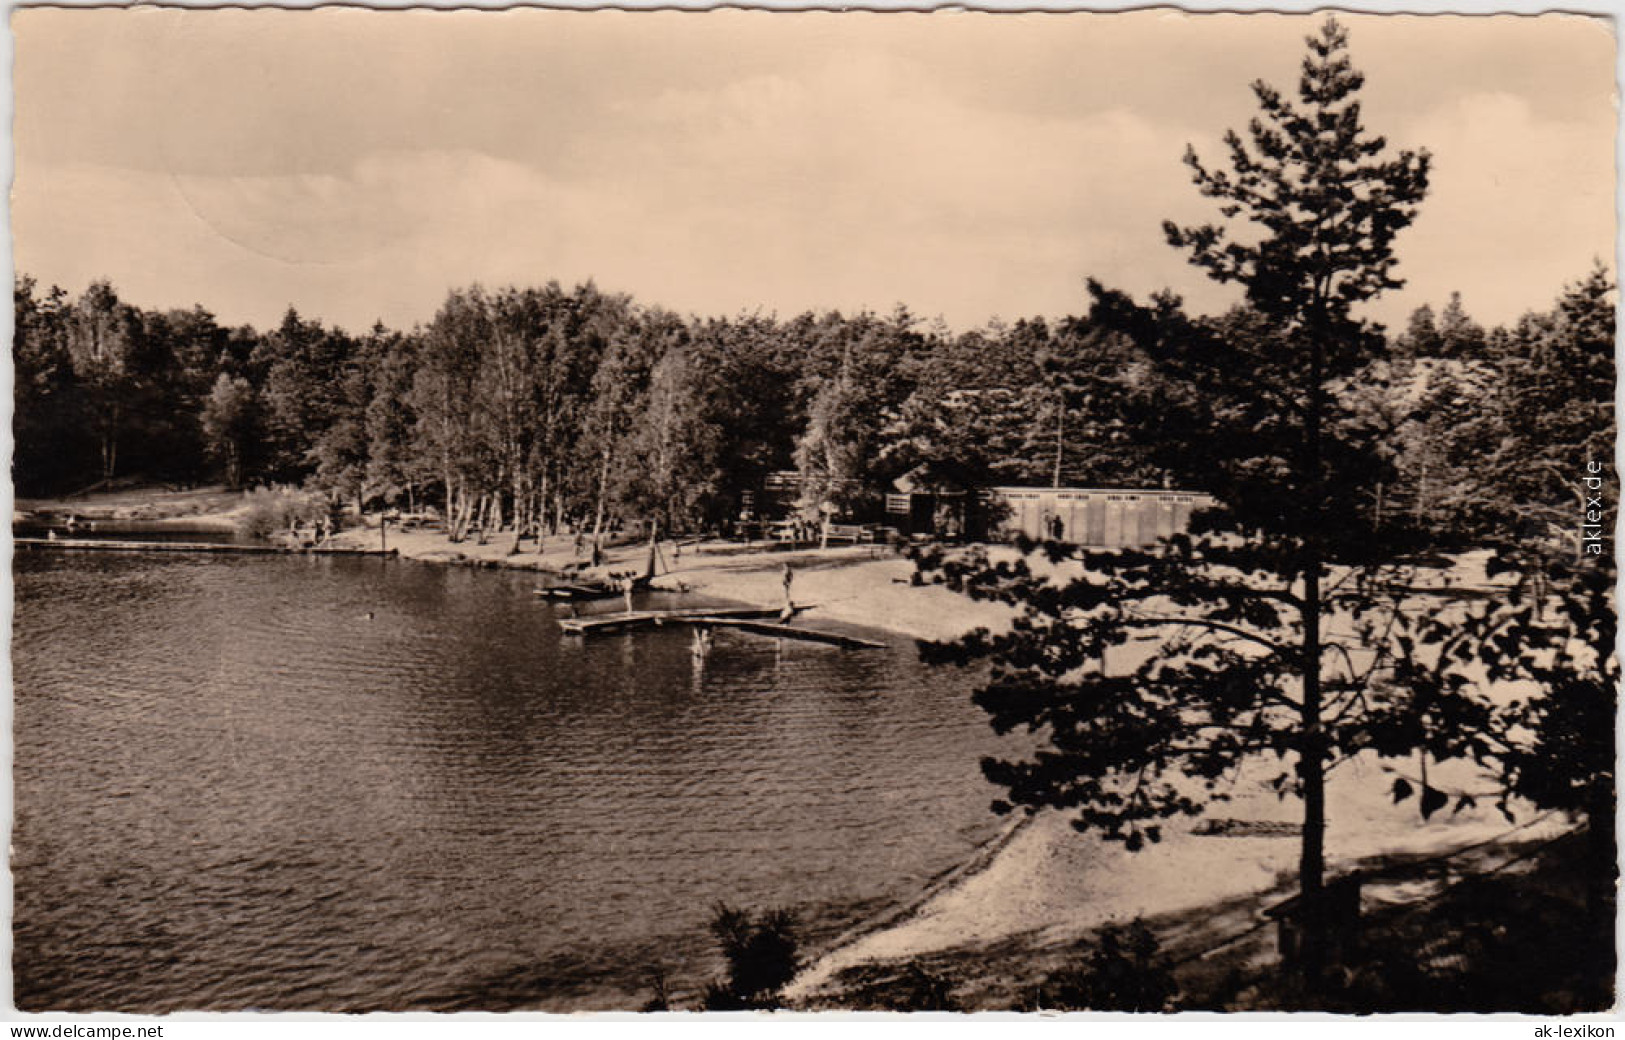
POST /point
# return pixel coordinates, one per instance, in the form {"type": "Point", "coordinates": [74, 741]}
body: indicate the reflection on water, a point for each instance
{"type": "Point", "coordinates": [127, 530]}
{"type": "Point", "coordinates": [236, 789]}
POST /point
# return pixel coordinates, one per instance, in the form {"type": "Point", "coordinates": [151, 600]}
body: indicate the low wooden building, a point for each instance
{"type": "Point", "coordinates": [1097, 517]}
{"type": "Point", "coordinates": [1104, 517]}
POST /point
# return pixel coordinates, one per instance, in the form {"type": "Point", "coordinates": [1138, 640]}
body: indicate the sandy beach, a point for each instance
{"type": "Point", "coordinates": [866, 585]}
{"type": "Point", "coordinates": [1050, 887]}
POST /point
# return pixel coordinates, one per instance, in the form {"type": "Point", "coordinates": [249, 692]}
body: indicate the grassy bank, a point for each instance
{"type": "Point", "coordinates": [210, 508]}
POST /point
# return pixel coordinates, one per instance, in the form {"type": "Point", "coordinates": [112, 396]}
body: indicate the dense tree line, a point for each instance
{"type": "Point", "coordinates": [523, 408]}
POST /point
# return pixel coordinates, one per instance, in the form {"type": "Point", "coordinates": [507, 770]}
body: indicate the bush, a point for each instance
{"type": "Point", "coordinates": [908, 987]}
{"type": "Point", "coordinates": [661, 1001]}
{"type": "Point", "coordinates": [272, 510]}
{"type": "Point", "coordinates": [761, 956]}
{"type": "Point", "coordinates": [1123, 973]}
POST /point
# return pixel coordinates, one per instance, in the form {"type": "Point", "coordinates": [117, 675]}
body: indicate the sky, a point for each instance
{"type": "Point", "coordinates": [359, 164]}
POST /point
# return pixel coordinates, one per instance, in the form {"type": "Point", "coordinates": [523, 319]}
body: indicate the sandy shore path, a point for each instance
{"type": "Point", "coordinates": [858, 585]}
{"type": "Point", "coordinates": [854, 586]}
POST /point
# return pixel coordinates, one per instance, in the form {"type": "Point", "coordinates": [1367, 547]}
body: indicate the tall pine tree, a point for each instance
{"type": "Point", "coordinates": [1278, 627]}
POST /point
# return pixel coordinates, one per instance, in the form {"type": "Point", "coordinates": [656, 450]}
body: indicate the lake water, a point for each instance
{"type": "Point", "coordinates": [234, 790]}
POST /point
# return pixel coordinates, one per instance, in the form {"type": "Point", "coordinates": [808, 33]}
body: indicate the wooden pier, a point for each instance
{"type": "Point", "coordinates": [761, 621]}
{"type": "Point", "coordinates": [608, 624]}
{"type": "Point", "coordinates": [112, 545]}
{"type": "Point", "coordinates": [778, 631]}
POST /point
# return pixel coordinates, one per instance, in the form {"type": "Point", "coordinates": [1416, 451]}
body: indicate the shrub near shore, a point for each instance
{"type": "Point", "coordinates": [271, 511]}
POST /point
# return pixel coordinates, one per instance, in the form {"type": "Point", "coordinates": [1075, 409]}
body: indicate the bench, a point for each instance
{"type": "Point", "coordinates": [853, 533]}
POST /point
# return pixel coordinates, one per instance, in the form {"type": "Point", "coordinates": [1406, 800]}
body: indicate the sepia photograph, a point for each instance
{"type": "Point", "coordinates": [814, 512]}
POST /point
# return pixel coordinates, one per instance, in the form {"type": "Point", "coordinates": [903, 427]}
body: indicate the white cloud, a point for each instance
{"type": "Point", "coordinates": [1518, 206]}
{"type": "Point", "coordinates": [865, 173]}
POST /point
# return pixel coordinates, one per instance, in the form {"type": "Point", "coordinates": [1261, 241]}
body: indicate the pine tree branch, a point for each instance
{"type": "Point", "coordinates": [1143, 621]}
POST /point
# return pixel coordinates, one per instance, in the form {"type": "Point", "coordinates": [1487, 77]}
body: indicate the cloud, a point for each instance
{"type": "Point", "coordinates": [856, 186]}
{"type": "Point", "coordinates": [785, 163]}
{"type": "Point", "coordinates": [1518, 206]}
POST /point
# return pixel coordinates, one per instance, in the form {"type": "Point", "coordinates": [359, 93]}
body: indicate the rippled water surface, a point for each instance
{"type": "Point", "coordinates": [233, 789]}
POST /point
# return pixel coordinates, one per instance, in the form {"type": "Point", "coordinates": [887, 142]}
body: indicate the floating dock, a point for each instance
{"type": "Point", "coordinates": [606, 624]}
{"type": "Point", "coordinates": [757, 620]}
{"type": "Point", "coordinates": [767, 628]}
{"type": "Point", "coordinates": [112, 545]}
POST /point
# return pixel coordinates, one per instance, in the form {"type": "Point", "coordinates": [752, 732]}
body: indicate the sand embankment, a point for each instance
{"type": "Point", "coordinates": [1050, 886]}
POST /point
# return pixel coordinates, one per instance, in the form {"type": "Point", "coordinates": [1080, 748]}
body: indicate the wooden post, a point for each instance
{"type": "Point", "coordinates": [1060, 432]}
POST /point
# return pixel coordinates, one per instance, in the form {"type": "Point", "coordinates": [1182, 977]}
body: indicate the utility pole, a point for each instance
{"type": "Point", "coordinates": [1060, 432]}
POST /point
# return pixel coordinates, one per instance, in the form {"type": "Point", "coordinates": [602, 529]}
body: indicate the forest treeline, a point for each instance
{"type": "Point", "coordinates": [528, 408]}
